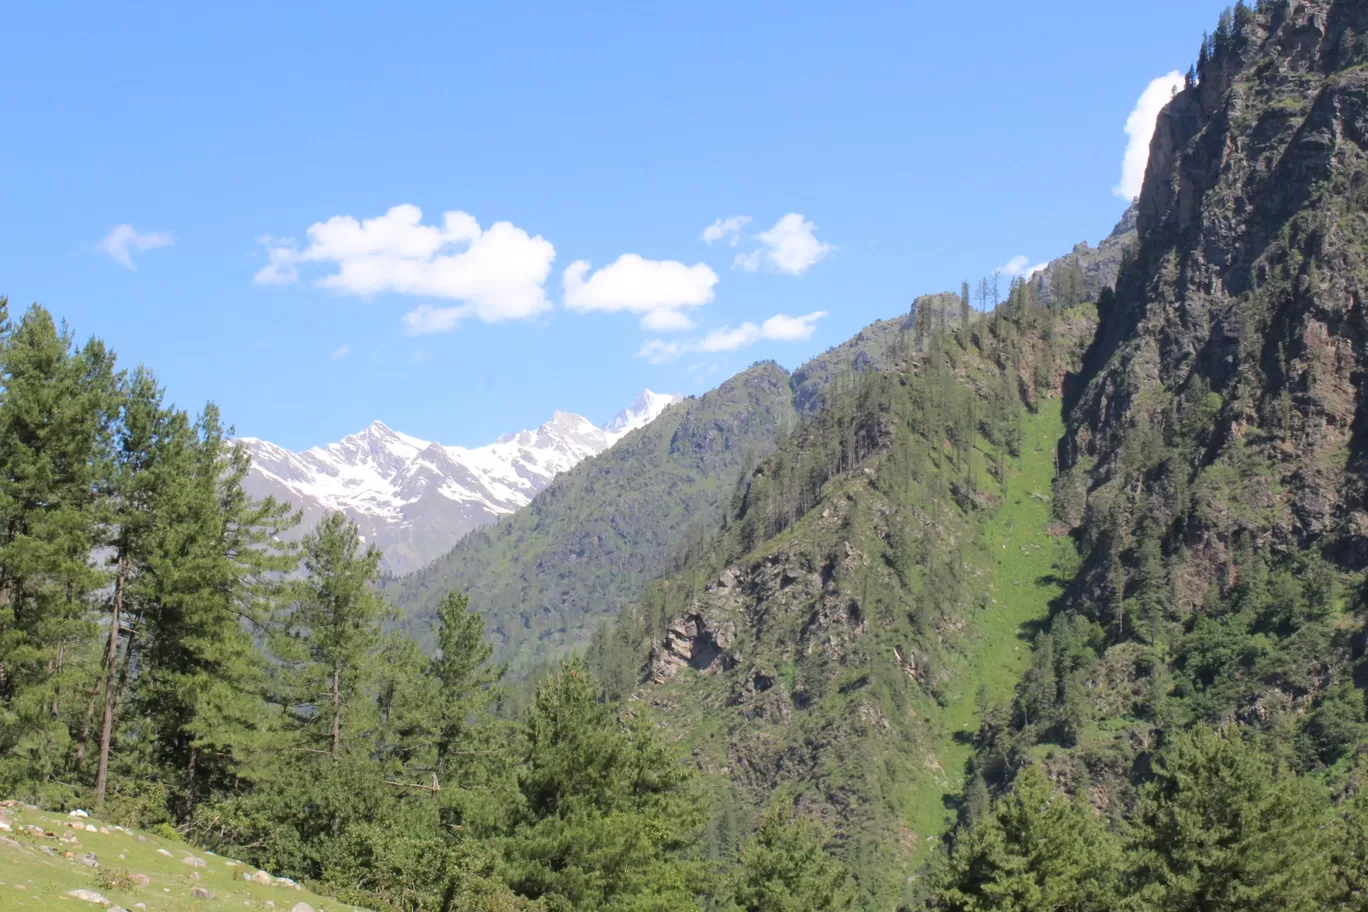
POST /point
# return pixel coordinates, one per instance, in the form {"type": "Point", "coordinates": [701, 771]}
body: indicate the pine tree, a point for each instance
{"type": "Point", "coordinates": [1223, 830]}
{"type": "Point", "coordinates": [462, 675]}
{"type": "Point", "coordinates": [783, 869]}
{"type": "Point", "coordinates": [55, 420]}
{"type": "Point", "coordinates": [210, 587]}
{"type": "Point", "coordinates": [1348, 844]}
{"type": "Point", "coordinates": [966, 311]}
{"type": "Point", "coordinates": [1035, 851]}
{"type": "Point", "coordinates": [608, 813]}
{"type": "Point", "coordinates": [337, 616]}
{"type": "Point", "coordinates": [147, 431]}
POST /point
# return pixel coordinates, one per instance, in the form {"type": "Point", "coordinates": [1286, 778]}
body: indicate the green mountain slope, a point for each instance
{"type": "Point", "coordinates": [827, 648]}
{"type": "Point", "coordinates": [546, 576]}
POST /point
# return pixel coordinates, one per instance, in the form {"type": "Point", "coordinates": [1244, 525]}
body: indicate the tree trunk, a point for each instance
{"type": "Point", "coordinates": [111, 675]}
{"type": "Point", "coordinates": [87, 724]}
{"type": "Point", "coordinates": [337, 709]}
{"type": "Point", "coordinates": [122, 683]}
{"type": "Point", "coordinates": [55, 669]}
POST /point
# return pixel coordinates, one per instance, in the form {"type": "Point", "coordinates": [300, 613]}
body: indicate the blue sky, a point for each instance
{"type": "Point", "coordinates": [879, 151]}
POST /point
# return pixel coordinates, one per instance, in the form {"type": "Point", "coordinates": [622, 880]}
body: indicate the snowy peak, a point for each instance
{"type": "Point", "coordinates": [645, 409]}
{"type": "Point", "coordinates": [415, 498]}
{"type": "Point", "coordinates": [377, 447]}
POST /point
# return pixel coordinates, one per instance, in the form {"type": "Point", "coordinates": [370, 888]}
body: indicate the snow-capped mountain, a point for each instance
{"type": "Point", "coordinates": [413, 498]}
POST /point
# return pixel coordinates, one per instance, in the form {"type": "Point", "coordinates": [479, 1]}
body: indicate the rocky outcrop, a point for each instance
{"type": "Point", "coordinates": [691, 642]}
{"type": "Point", "coordinates": [1223, 398]}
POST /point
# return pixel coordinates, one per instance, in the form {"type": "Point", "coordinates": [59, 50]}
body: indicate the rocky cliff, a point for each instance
{"type": "Point", "coordinates": [1223, 400]}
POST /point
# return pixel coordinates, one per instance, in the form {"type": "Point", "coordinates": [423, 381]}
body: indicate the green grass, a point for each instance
{"type": "Point", "coordinates": [33, 880]}
{"type": "Point", "coordinates": [1022, 562]}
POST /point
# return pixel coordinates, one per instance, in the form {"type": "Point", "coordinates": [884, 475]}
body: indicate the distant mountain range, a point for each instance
{"type": "Point", "coordinates": [415, 499]}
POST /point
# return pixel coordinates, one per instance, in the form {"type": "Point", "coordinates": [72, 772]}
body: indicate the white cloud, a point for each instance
{"type": "Point", "coordinates": [123, 240]}
{"type": "Point", "coordinates": [778, 328]}
{"type": "Point", "coordinates": [667, 321]}
{"type": "Point", "coordinates": [700, 370]}
{"type": "Point", "coordinates": [658, 351]}
{"type": "Point", "coordinates": [340, 352]}
{"type": "Point", "coordinates": [725, 228]}
{"type": "Point", "coordinates": [749, 261]}
{"type": "Point", "coordinates": [1020, 266]}
{"type": "Point", "coordinates": [280, 268]}
{"type": "Point", "coordinates": [496, 274]}
{"type": "Point", "coordinates": [783, 328]}
{"type": "Point", "coordinates": [791, 247]}
{"type": "Point", "coordinates": [728, 338]}
{"type": "Point", "coordinates": [1139, 131]}
{"type": "Point", "coordinates": [660, 290]}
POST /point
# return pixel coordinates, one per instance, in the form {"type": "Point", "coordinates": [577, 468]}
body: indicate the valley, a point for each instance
{"type": "Point", "coordinates": [1044, 594]}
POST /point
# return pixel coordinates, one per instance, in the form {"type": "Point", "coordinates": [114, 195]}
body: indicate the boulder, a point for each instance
{"type": "Point", "coordinates": [201, 893]}
{"type": "Point", "coordinates": [194, 862]}
{"type": "Point", "coordinates": [89, 896]}
{"type": "Point", "coordinates": [140, 880]}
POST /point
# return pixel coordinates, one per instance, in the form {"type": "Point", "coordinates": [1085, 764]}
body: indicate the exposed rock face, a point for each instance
{"type": "Point", "coordinates": [691, 642]}
{"type": "Point", "coordinates": [1223, 398]}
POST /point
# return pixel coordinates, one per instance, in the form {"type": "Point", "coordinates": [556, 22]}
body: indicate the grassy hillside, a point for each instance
{"type": "Point", "coordinates": [1022, 585]}
{"type": "Point", "coordinates": [46, 857]}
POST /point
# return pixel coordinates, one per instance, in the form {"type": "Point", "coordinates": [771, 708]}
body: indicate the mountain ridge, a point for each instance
{"type": "Point", "coordinates": [415, 498]}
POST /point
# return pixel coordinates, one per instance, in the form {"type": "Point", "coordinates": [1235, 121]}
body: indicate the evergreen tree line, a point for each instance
{"type": "Point", "coordinates": [167, 659]}
{"type": "Point", "coordinates": [1219, 825]}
